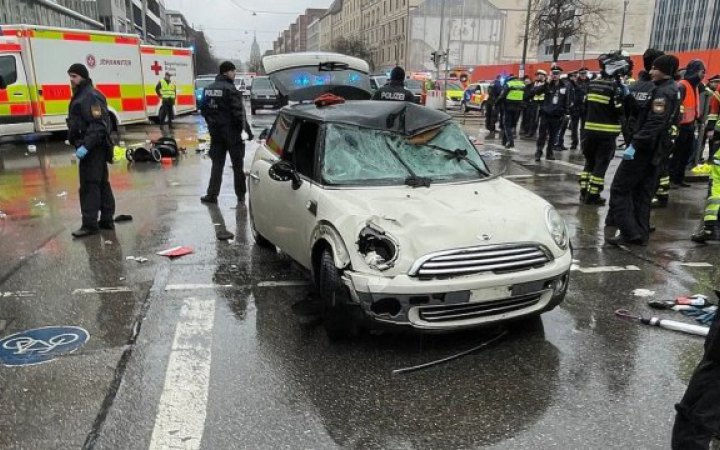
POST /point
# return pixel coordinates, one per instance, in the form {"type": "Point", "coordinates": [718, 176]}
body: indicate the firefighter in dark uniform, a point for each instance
{"type": "Point", "coordinates": [394, 90]}
{"type": "Point", "coordinates": [636, 178]}
{"type": "Point", "coordinates": [553, 110]}
{"type": "Point", "coordinates": [223, 110]}
{"type": "Point", "coordinates": [511, 101]}
{"type": "Point", "coordinates": [603, 115]}
{"type": "Point", "coordinates": [89, 127]}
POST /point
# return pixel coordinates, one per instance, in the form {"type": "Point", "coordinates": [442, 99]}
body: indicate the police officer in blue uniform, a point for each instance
{"type": "Point", "coordinates": [554, 109]}
{"type": "Point", "coordinates": [223, 110]}
{"type": "Point", "coordinates": [89, 128]}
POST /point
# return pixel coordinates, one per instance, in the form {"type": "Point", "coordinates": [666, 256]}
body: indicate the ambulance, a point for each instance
{"type": "Point", "coordinates": [35, 89]}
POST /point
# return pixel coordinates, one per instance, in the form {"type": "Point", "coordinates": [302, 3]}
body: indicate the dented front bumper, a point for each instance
{"type": "Point", "coordinates": [460, 302]}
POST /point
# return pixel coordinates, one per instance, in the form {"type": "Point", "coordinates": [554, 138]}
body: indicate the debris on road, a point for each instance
{"type": "Point", "coordinates": [643, 293]}
{"type": "Point", "coordinates": [3, 215]}
{"type": "Point", "coordinates": [139, 259]}
{"type": "Point", "coordinates": [32, 148]}
{"type": "Point", "coordinates": [451, 357]}
{"type": "Point", "coordinates": [663, 323]}
{"type": "Point", "coordinates": [123, 218]}
{"type": "Point", "coordinates": [62, 194]}
{"type": "Point", "coordinates": [176, 252]}
{"type": "Point", "coordinates": [109, 242]}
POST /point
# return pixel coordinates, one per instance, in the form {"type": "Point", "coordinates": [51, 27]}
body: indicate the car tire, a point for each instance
{"type": "Point", "coordinates": [259, 238]}
{"type": "Point", "coordinates": [156, 155]}
{"type": "Point", "coordinates": [129, 154]}
{"type": "Point", "coordinates": [338, 320]}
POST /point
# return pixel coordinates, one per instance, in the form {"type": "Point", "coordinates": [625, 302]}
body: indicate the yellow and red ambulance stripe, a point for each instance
{"type": "Point", "coordinates": [120, 97]}
{"type": "Point", "coordinates": [70, 36]}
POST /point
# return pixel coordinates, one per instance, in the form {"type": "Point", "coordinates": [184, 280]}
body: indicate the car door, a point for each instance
{"type": "Point", "coordinates": [284, 215]}
{"type": "Point", "coordinates": [16, 115]}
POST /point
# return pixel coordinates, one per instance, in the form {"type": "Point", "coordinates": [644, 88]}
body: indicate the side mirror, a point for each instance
{"type": "Point", "coordinates": [285, 171]}
{"type": "Point", "coordinates": [3, 84]}
{"type": "Point", "coordinates": [264, 134]}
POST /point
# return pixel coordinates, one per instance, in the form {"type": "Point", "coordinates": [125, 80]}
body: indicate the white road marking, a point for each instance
{"type": "Point", "coordinates": [567, 164]}
{"type": "Point", "coordinates": [518, 177]}
{"type": "Point", "coordinates": [17, 294]}
{"type": "Point", "coordinates": [603, 269]}
{"type": "Point", "coordinates": [282, 283]}
{"type": "Point", "coordinates": [183, 404]}
{"type": "Point", "coordinates": [696, 264]}
{"type": "Point", "coordinates": [103, 290]}
{"type": "Point", "coordinates": [192, 287]}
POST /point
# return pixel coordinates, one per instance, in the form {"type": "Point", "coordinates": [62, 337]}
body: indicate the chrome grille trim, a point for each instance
{"type": "Point", "coordinates": [489, 258]}
{"type": "Point", "coordinates": [469, 311]}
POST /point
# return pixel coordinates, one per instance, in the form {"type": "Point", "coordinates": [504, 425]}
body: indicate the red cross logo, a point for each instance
{"type": "Point", "coordinates": [156, 68]}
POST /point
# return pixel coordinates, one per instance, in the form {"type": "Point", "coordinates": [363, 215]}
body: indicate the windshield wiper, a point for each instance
{"type": "Point", "coordinates": [413, 180]}
{"type": "Point", "coordinates": [460, 155]}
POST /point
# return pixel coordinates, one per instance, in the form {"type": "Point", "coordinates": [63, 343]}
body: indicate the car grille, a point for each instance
{"type": "Point", "coordinates": [470, 311]}
{"type": "Point", "coordinates": [489, 258]}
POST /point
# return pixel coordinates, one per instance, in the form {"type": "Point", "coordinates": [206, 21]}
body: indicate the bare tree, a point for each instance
{"type": "Point", "coordinates": [560, 21]}
{"type": "Point", "coordinates": [205, 60]}
{"type": "Point", "coordinates": [352, 47]}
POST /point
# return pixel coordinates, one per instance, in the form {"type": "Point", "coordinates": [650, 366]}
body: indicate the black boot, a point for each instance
{"type": "Point", "coordinates": [208, 199]}
{"type": "Point", "coordinates": [85, 231]}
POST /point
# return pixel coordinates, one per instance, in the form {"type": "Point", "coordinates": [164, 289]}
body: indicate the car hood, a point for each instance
{"type": "Point", "coordinates": [443, 217]}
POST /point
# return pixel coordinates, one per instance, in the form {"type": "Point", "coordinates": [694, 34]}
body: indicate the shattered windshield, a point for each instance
{"type": "Point", "coordinates": [361, 157]}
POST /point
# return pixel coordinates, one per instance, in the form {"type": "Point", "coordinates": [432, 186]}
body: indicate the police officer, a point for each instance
{"type": "Point", "coordinates": [553, 110]}
{"type": "Point", "coordinates": [394, 90]}
{"type": "Point", "coordinates": [636, 178]}
{"type": "Point", "coordinates": [603, 115]}
{"type": "Point", "coordinates": [89, 128]}
{"type": "Point", "coordinates": [535, 100]}
{"type": "Point", "coordinates": [577, 112]}
{"type": "Point", "coordinates": [167, 91]}
{"type": "Point", "coordinates": [511, 99]}
{"type": "Point", "coordinates": [223, 110]}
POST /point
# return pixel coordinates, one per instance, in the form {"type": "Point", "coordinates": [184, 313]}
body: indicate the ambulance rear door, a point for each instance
{"type": "Point", "coordinates": [16, 115]}
{"type": "Point", "coordinates": [178, 62]}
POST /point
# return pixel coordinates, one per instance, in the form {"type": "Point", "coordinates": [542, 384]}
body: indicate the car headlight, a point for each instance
{"type": "Point", "coordinates": [557, 228]}
{"type": "Point", "coordinates": [379, 249]}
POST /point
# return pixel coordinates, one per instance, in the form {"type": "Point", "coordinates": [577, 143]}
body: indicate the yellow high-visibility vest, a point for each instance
{"type": "Point", "coordinates": [167, 90]}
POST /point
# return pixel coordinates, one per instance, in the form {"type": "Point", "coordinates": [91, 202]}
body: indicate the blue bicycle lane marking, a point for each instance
{"type": "Point", "coordinates": [40, 345]}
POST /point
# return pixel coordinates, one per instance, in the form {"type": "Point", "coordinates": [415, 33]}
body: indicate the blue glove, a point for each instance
{"type": "Point", "coordinates": [81, 152]}
{"type": "Point", "coordinates": [629, 153]}
{"type": "Point", "coordinates": [626, 90]}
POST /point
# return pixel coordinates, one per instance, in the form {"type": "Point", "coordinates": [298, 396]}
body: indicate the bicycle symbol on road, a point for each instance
{"type": "Point", "coordinates": [40, 345]}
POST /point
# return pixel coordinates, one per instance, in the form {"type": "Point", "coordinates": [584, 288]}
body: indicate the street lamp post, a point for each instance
{"type": "Point", "coordinates": [622, 27]}
{"type": "Point", "coordinates": [525, 40]}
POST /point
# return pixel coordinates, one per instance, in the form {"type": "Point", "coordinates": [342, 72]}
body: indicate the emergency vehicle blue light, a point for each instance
{"type": "Point", "coordinates": [301, 80]}
{"type": "Point", "coordinates": [353, 78]}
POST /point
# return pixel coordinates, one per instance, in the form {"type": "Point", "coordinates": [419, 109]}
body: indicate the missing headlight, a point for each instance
{"type": "Point", "coordinates": [379, 249]}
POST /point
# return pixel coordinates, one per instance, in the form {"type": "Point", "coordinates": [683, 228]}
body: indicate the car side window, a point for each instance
{"type": "Point", "coordinates": [303, 148]}
{"type": "Point", "coordinates": [279, 134]}
{"type": "Point", "coordinates": [8, 69]}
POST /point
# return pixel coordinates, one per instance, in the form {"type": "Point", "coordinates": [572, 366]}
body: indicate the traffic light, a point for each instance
{"type": "Point", "coordinates": [437, 58]}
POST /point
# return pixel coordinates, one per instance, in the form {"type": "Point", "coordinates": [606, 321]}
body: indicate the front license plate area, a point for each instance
{"type": "Point", "coordinates": [495, 293]}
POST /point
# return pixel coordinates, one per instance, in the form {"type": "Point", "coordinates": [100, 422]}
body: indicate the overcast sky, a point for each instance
{"type": "Point", "coordinates": [230, 28]}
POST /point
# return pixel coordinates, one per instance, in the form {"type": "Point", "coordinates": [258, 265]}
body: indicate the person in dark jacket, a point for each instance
{"type": "Point", "coordinates": [698, 414]}
{"type": "Point", "coordinates": [636, 179]}
{"type": "Point", "coordinates": [491, 109]}
{"type": "Point", "coordinates": [554, 108]}
{"type": "Point", "coordinates": [577, 118]}
{"type": "Point", "coordinates": [89, 127]}
{"type": "Point", "coordinates": [685, 142]}
{"type": "Point", "coordinates": [394, 90]}
{"type": "Point", "coordinates": [223, 110]}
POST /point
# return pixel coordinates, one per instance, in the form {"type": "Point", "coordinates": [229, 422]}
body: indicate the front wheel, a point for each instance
{"type": "Point", "coordinates": [337, 317]}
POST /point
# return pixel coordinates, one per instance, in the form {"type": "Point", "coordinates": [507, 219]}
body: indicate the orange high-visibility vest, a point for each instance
{"type": "Point", "coordinates": [690, 108]}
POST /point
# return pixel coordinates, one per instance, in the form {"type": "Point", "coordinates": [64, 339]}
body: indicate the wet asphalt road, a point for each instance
{"type": "Point", "coordinates": [206, 351]}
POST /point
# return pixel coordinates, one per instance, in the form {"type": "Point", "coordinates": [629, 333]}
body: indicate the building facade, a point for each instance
{"type": "Point", "coordinates": [681, 25]}
{"type": "Point", "coordinates": [313, 36]}
{"type": "Point", "coordinates": [79, 14]}
{"type": "Point", "coordinates": [178, 32]}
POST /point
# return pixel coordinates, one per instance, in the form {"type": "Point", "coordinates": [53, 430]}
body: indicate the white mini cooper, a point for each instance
{"type": "Point", "coordinates": [398, 218]}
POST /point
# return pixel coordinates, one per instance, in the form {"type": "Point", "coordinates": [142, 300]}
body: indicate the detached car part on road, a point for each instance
{"type": "Point", "coordinates": [398, 218]}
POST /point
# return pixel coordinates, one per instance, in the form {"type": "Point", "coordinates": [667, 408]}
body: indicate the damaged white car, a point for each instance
{"type": "Point", "coordinates": [398, 218]}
